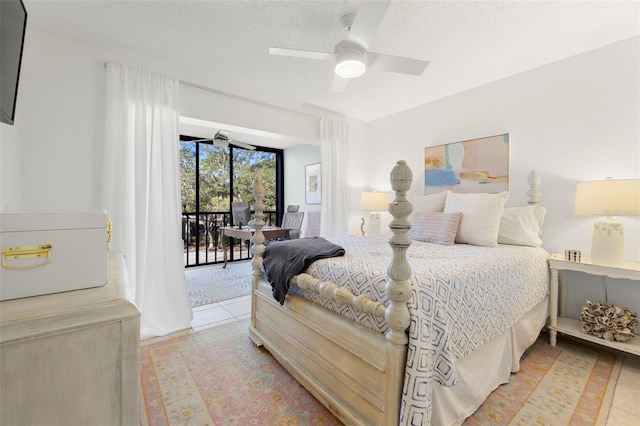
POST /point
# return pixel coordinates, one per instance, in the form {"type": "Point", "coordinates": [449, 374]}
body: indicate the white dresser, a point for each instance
{"type": "Point", "coordinates": [71, 358]}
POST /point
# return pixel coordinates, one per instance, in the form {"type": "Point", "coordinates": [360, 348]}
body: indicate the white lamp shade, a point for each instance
{"type": "Point", "coordinates": [617, 197]}
{"type": "Point", "coordinates": [374, 201]}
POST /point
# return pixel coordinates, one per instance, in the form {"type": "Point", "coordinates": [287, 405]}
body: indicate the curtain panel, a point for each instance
{"type": "Point", "coordinates": [334, 153]}
{"type": "Point", "coordinates": [141, 187]}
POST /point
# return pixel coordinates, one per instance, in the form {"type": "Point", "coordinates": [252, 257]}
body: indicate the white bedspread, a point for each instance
{"type": "Point", "coordinates": [463, 296]}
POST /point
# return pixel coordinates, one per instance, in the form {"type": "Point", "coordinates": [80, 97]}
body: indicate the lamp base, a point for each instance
{"type": "Point", "coordinates": [607, 244]}
{"type": "Point", "coordinates": [374, 223]}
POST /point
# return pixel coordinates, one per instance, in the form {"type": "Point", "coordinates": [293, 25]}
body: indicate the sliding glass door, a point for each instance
{"type": "Point", "coordinates": [212, 178]}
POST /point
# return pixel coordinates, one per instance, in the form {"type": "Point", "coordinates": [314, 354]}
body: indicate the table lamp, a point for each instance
{"type": "Point", "coordinates": [374, 202]}
{"type": "Point", "coordinates": [619, 197]}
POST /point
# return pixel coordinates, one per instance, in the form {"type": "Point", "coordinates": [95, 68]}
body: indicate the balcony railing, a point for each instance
{"type": "Point", "coordinates": [202, 238]}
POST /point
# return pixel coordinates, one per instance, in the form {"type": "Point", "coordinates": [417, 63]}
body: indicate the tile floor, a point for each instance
{"type": "Point", "coordinates": [625, 410]}
{"type": "Point", "coordinates": [219, 313]}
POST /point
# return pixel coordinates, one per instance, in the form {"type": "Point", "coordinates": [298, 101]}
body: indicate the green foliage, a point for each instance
{"type": "Point", "coordinates": [188, 176]}
{"type": "Point", "coordinates": [215, 182]}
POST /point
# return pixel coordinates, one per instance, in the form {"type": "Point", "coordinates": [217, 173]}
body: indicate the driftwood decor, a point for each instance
{"type": "Point", "coordinates": [609, 322]}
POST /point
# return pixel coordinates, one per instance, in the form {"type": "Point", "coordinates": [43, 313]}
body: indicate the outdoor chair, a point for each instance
{"type": "Point", "coordinates": [293, 222]}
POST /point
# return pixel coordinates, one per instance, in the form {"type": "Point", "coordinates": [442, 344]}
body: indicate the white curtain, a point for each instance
{"type": "Point", "coordinates": [142, 194]}
{"type": "Point", "coordinates": [334, 152]}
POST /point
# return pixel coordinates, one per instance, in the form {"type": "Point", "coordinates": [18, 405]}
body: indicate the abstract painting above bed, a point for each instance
{"type": "Point", "coordinates": [475, 165]}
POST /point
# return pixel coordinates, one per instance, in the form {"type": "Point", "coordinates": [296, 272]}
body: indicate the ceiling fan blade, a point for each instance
{"type": "Point", "coordinates": [338, 84]}
{"type": "Point", "coordinates": [305, 54]}
{"type": "Point", "coordinates": [382, 62]}
{"type": "Point", "coordinates": [242, 145]}
{"type": "Point", "coordinates": [367, 21]}
{"type": "Point", "coordinates": [220, 143]}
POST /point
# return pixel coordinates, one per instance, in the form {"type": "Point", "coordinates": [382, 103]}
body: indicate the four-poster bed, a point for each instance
{"type": "Point", "coordinates": [393, 345]}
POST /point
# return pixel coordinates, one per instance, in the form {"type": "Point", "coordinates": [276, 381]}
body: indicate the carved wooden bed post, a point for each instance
{"type": "Point", "coordinates": [257, 245]}
{"type": "Point", "coordinates": [398, 287]}
{"type": "Point", "coordinates": [357, 373]}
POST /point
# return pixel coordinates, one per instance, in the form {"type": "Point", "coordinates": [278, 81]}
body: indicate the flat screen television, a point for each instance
{"type": "Point", "coordinates": [240, 213]}
{"type": "Point", "coordinates": [13, 24]}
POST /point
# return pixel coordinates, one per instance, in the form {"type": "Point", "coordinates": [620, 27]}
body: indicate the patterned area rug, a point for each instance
{"type": "Point", "coordinates": [218, 377]}
{"type": "Point", "coordinates": [210, 284]}
{"type": "Point", "coordinates": [564, 385]}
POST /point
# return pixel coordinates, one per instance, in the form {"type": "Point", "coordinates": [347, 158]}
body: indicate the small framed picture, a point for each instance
{"type": "Point", "coordinates": [312, 184]}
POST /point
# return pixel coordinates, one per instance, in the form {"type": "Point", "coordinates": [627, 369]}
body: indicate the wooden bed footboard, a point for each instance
{"type": "Point", "coordinates": [355, 372]}
{"type": "Point", "coordinates": [340, 295]}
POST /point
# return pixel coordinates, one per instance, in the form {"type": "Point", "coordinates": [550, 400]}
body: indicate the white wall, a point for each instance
{"type": "Point", "coordinates": [232, 111]}
{"type": "Point", "coordinates": [52, 157]}
{"type": "Point", "coordinates": [10, 174]}
{"type": "Point", "coordinates": [62, 124]}
{"type": "Point", "coordinates": [564, 119]}
{"type": "Point", "coordinates": [575, 120]}
{"type": "Point", "coordinates": [295, 160]}
{"type": "Point", "coordinates": [572, 121]}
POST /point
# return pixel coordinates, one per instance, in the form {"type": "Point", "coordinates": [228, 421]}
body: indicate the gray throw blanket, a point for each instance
{"type": "Point", "coordinates": [284, 259]}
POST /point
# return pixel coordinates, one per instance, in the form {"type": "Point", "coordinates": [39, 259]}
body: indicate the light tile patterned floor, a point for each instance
{"type": "Point", "coordinates": [625, 410]}
{"type": "Point", "coordinates": [223, 312]}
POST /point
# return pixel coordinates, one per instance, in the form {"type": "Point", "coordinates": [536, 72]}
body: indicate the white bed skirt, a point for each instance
{"type": "Point", "coordinates": [487, 368]}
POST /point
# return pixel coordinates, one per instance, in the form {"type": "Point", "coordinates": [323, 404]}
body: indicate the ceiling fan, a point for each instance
{"type": "Point", "coordinates": [351, 56]}
{"type": "Point", "coordinates": [221, 139]}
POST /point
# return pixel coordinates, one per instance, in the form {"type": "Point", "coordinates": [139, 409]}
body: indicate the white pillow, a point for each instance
{"type": "Point", "coordinates": [437, 228]}
{"type": "Point", "coordinates": [432, 203]}
{"type": "Point", "coordinates": [522, 226]}
{"type": "Point", "coordinates": [481, 214]}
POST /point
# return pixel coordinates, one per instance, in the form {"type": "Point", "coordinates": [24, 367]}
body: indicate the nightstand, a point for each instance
{"type": "Point", "coordinates": [571, 327]}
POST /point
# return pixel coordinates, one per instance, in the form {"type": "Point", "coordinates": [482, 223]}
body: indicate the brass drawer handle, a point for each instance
{"type": "Point", "coordinates": [26, 252]}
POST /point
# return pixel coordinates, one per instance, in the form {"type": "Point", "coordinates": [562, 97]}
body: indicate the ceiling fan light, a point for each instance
{"type": "Point", "coordinates": [350, 68]}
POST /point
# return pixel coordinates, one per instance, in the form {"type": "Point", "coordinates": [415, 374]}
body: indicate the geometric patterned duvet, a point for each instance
{"type": "Point", "coordinates": [463, 296]}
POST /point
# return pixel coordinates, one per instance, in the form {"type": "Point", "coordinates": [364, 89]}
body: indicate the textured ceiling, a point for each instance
{"type": "Point", "coordinates": [468, 43]}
